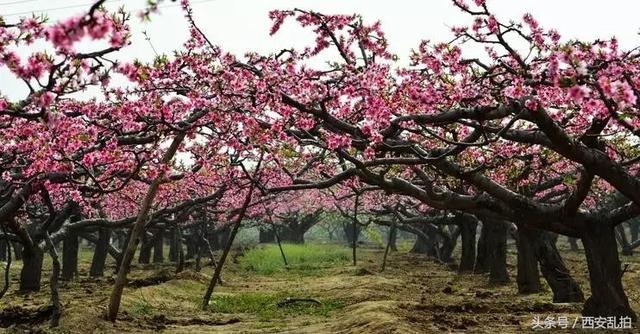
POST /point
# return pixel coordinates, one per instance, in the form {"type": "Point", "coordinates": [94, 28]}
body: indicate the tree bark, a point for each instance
{"type": "Point", "coordinates": [70, 246]}
{"type": "Point", "coordinates": [497, 252]}
{"type": "Point", "coordinates": [7, 268]}
{"type": "Point", "coordinates": [100, 253]}
{"type": "Point", "coordinates": [232, 235]}
{"type": "Point", "coordinates": [565, 288]}
{"type": "Point", "coordinates": [192, 242]}
{"type": "Point", "coordinates": [3, 250]}
{"type": "Point", "coordinates": [482, 259]}
{"type": "Point", "coordinates": [528, 274]}
{"type": "Point", "coordinates": [31, 273]}
{"type": "Point", "coordinates": [158, 246]}
{"type": "Point", "coordinates": [607, 293]}
{"type": "Point", "coordinates": [266, 235]}
{"type": "Point", "coordinates": [468, 229]}
{"type": "Point", "coordinates": [174, 243]}
{"type": "Point", "coordinates": [449, 240]}
{"type": "Point", "coordinates": [145, 249]}
{"type": "Point", "coordinates": [634, 228]}
{"type": "Point", "coordinates": [392, 233]}
{"type": "Point", "coordinates": [393, 238]}
{"type": "Point", "coordinates": [422, 245]}
{"type": "Point", "coordinates": [137, 230]}
{"type": "Point", "coordinates": [53, 282]}
{"type": "Point", "coordinates": [180, 250]}
{"type": "Point", "coordinates": [18, 250]}
{"type": "Point", "coordinates": [350, 231]}
{"type": "Point", "coordinates": [220, 238]}
{"type": "Point", "coordinates": [292, 235]}
{"type": "Point", "coordinates": [624, 242]}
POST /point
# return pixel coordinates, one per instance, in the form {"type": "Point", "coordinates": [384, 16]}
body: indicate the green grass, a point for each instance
{"type": "Point", "coordinates": [264, 305]}
{"type": "Point", "coordinates": [267, 260]}
{"type": "Point", "coordinates": [142, 307]}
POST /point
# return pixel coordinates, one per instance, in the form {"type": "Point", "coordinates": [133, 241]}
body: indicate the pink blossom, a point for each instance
{"type": "Point", "coordinates": [335, 141]}
{"type": "Point", "coordinates": [492, 24]}
{"type": "Point", "coordinates": [578, 93]}
{"type": "Point", "coordinates": [532, 104]}
{"type": "Point", "coordinates": [45, 99]}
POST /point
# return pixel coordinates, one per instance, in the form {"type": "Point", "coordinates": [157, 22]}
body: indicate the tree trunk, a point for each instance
{"type": "Point", "coordinates": [528, 274]}
{"type": "Point", "coordinates": [573, 243]}
{"type": "Point", "coordinates": [145, 249]}
{"type": "Point", "coordinates": [607, 294]}
{"type": "Point", "coordinates": [634, 228]}
{"type": "Point", "coordinates": [174, 243]}
{"type": "Point", "coordinates": [18, 250]}
{"type": "Point", "coordinates": [349, 232]}
{"type": "Point", "coordinates": [70, 246]}
{"type": "Point", "coordinates": [122, 239]}
{"type": "Point", "coordinates": [53, 282]}
{"type": "Point", "coordinates": [624, 242]}
{"type": "Point", "coordinates": [468, 229]}
{"type": "Point", "coordinates": [392, 234]}
{"type": "Point", "coordinates": [3, 250]}
{"type": "Point", "coordinates": [31, 273]}
{"type": "Point", "coordinates": [482, 259]}
{"type": "Point", "coordinates": [232, 235]}
{"type": "Point", "coordinates": [422, 245]}
{"type": "Point", "coordinates": [393, 238]}
{"type": "Point", "coordinates": [449, 241]}
{"type": "Point", "coordinates": [292, 235]}
{"type": "Point", "coordinates": [565, 288]}
{"type": "Point", "coordinates": [191, 242]}
{"type": "Point", "coordinates": [497, 252]}
{"type": "Point", "coordinates": [266, 235]}
{"type": "Point", "coordinates": [100, 253]}
{"type": "Point", "coordinates": [137, 230]}
{"type": "Point", "coordinates": [180, 250]}
{"type": "Point", "coordinates": [158, 245]}
{"type": "Point", "coordinates": [199, 250]}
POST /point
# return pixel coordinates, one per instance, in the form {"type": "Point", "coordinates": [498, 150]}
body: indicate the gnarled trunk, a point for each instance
{"type": "Point", "coordinates": [145, 249]}
{"type": "Point", "coordinates": [392, 238]}
{"type": "Point", "coordinates": [17, 250]}
{"type": "Point", "coordinates": [497, 252]}
{"type": "Point", "coordinates": [100, 253]}
{"type": "Point", "coordinates": [174, 242]}
{"type": "Point", "coordinates": [607, 294]}
{"type": "Point", "coordinates": [468, 229]}
{"type": "Point", "coordinates": [70, 246]}
{"type": "Point", "coordinates": [3, 250]}
{"type": "Point", "coordinates": [422, 245]}
{"type": "Point", "coordinates": [528, 274]}
{"type": "Point", "coordinates": [158, 244]}
{"type": "Point", "coordinates": [565, 288]}
{"type": "Point", "coordinates": [31, 273]}
{"type": "Point", "coordinates": [482, 259]}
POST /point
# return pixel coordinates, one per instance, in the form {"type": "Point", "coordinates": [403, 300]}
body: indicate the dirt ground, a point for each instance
{"type": "Point", "coordinates": [413, 295]}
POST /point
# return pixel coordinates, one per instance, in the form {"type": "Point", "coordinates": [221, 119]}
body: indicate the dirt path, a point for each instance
{"type": "Point", "coordinates": [414, 295]}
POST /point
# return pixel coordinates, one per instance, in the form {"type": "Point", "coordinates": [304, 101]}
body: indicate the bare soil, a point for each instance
{"type": "Point", "coordinates": [413, 295]}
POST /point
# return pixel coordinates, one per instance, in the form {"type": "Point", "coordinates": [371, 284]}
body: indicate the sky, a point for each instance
{"type": "Point", "coordinates": [239, 26]}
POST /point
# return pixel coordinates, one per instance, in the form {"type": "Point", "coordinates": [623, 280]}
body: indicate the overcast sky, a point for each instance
{"type": "Point", "coordinates": [243, 25]}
